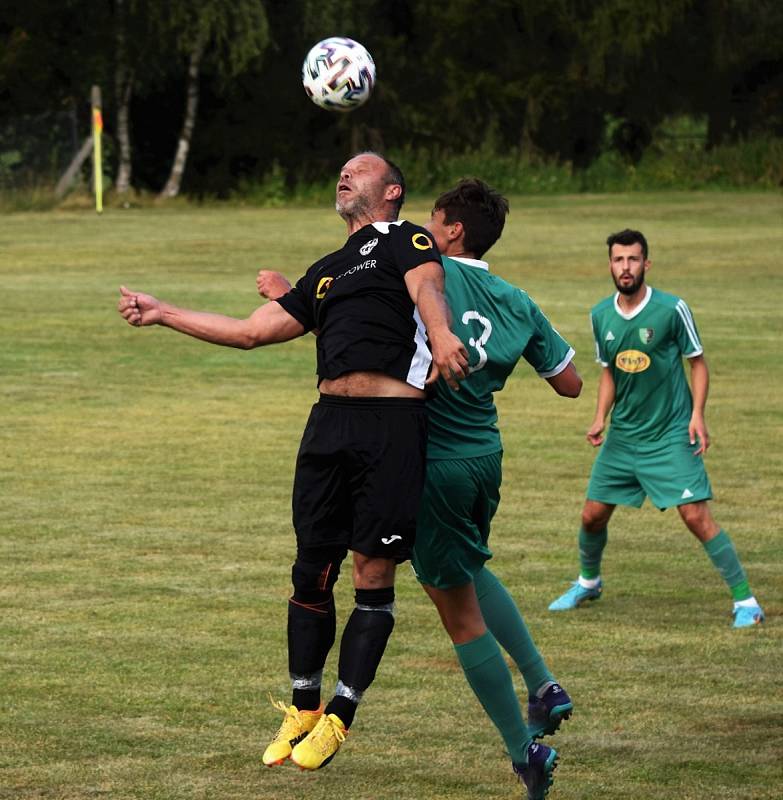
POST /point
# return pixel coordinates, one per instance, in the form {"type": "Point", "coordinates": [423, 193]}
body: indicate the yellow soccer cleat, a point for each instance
{"type": "Point", "coordinates": [317, 749]}
{"type": "Point", "coordinates": [296, 725]}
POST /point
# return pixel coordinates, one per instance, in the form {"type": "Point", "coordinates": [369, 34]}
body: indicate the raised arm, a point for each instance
{"type": "Point", "coordinates": [602, 408]}
{"type": "Point", "coordinates": [700, 385]}
{"type": "Point", "coordinates": [266, 325]}
{"type": "Point", "coordinates": [449, 356]}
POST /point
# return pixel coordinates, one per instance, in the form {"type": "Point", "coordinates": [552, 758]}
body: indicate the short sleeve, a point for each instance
{"type": "Point", "coordinates": [298, 303]}
{"type": "Point", "coordinates": [546, 351]}
{"type": "Point", "coordinates": [685, 333]}
{"type": "Point", "coordinates": [600, 356]}
{"type": "Point", "coordinates": [411, 246]}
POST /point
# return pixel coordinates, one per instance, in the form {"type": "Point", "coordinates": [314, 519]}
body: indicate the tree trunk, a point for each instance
{"type": "Point", "coordinates": [123, 84]}
{"type": "Point", "coordinates": [171, 189]}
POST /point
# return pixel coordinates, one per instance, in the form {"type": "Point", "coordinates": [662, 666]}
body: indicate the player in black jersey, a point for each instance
{"type": "Point", "coordinates": [360, 467]}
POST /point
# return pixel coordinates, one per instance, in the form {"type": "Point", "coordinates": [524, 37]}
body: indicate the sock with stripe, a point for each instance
{"type": "Point", "coordinates": [724, 558]}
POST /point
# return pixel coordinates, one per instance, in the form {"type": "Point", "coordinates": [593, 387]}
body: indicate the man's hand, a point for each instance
{"type": "Point", "coordinates": [139, 309]}
{"type": "Point", "coordinates": [272, 284]}
{"type": "Point", "coordinates": [449, 359]}
{"type": "Point", "coordinates": [595, 433]}
{"type": "Point", "coordinates": [697, 429]}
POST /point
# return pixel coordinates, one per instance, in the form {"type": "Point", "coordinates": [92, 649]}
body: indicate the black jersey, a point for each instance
{"type": "Point", "coordinates": [357, 300]}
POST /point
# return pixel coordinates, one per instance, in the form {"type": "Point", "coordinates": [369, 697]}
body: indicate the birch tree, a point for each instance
{"type": "Point", "coordinates": [230, 33]}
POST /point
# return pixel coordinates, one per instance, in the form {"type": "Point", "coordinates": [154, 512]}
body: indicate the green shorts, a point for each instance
{"type": "Point", "coordinates": [665, 471]}
{"type": "Point", "coordinates": [459, 500]}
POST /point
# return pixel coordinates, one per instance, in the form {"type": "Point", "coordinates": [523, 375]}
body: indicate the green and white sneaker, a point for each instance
{"type": "Point", "coordinates": [575, 596]}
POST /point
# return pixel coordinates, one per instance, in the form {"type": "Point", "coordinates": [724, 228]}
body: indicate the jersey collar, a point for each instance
{"type": "Point", "coordinates": [637, 310]}
{"type": "Point", "coordinates": [471, 262]}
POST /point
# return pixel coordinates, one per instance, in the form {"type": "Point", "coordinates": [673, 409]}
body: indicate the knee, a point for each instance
{"type": "Point", "coordinates": [372, 573]}
{"type": "Point", "coordinates": [314, 575]}
{"type": "Point", "coordinates": [595, 519]}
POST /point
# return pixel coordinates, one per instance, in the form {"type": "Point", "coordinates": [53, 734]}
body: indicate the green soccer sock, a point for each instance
{"type": "Point", "coordinates": [591, 548]}
{"type": "Point", "coordinates": [486, 671]}
{"type": "Point", "coordinates": [724, 558]}
{"type": "Point", "coordinates": [508, 627]}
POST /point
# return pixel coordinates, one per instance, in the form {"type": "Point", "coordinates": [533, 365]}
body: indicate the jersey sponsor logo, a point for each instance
{"type": "Point", "coordinates": [421, 241]}
{"type": "Point", "coordinates": [609, 337]}
{"type": "Point", "coordinates": [323, 288]}
{"type": "Point", "coordinates": [367, 248]}
{"type": "Point", "coordinates": [646, 335]}
{"type": "Point", "coordinates": [632, 361]}
{"type": "Point", "coordinates": [369, 264]}
{"type": "Point", "coordinates": [393, 538]}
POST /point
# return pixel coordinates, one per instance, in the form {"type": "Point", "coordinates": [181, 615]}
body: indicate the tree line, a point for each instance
{"type": "Point", "coordinates": [202, 95]}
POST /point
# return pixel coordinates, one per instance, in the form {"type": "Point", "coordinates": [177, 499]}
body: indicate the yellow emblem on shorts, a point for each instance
{"type": "Point", "coordinates": [323, 287]}
{"type": "Point", "coordinates": [417, 238]}
{"type": "Point", "coordinates": [632, 361]}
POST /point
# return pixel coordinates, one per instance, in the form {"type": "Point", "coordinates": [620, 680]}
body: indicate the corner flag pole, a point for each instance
{"type": "Point", "coordinates": [97, 130]}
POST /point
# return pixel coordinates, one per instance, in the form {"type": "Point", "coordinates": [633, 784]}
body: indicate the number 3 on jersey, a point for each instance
{"type": "Point", "coordinates": [481, 341]}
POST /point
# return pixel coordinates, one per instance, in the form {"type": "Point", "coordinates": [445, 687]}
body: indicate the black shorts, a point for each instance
{"type": "Point", "coordinates": [360, 474]}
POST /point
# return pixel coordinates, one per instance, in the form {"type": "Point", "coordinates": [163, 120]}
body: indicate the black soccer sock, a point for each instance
{"type": "Point", "coordinates": [361, 649]}
{"type": "Point", "coordinates": [311, 632]}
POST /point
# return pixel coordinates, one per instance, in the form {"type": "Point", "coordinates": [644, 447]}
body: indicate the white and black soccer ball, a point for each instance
{"type": "Point", "coordinates": [338, 74]}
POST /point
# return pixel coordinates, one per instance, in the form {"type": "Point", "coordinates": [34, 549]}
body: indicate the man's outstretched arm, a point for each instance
{"type": "Point", "coordinates": [266, 325]}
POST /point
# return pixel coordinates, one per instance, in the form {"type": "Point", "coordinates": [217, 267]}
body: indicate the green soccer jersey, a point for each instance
{"type": "Point", "coordinates": [644, 351]}
{"type": "Point", "coordinates": [498, 324]}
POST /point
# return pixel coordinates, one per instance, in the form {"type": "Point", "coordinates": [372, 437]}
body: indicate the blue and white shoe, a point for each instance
{"type": "Point", "coordinates": [745, 616]}
{"type": "Point", "coordinates": [575, 596]}
{"type": "Point", "coordinates": [537, 773]}
{"type": "Point", "coordinates": [544, 714]}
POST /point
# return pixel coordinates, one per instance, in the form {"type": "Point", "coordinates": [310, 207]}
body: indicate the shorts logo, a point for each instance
{"type": "Point", "coordinates": [323, 288]}
{"type": "Point", "coordinates": [391, 538]}
{"type": "Point", "coordinates": [632, 361]}
{"type": "Point", "coordinates": [367, 248]}
{"type": "Point", "coordinates": [646, 335]}
{"type": "Point", "coordinates": [421, 242]}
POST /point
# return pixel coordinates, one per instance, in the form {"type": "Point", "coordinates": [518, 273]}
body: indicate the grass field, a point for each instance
{"type": "Point", "coordinates": [145, 540]}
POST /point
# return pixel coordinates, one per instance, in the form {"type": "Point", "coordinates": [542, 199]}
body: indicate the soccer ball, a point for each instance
{"type": "Point", "coordinates": [338, 74]}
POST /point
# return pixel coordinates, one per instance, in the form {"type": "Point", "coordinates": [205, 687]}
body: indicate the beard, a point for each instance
{"type": "Point", "coordinates": [354, 207]}
{"type": "Point", "coordinates": [630, 288]}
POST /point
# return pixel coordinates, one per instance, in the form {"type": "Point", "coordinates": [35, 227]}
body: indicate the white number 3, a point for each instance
{"type": "Point", "coordinates": [481, 341]}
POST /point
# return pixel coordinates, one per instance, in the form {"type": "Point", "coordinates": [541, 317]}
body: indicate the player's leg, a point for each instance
{"type": "Point", "coordinates": [483, 664]}
{"type": "Point", "coordinates": [459, 500]}
{"type": "Point", "coordinates": [320, 523]}
{"type": "Point", "coordinates": [613, 482]}
{"type": "Point", "coordinates": [548, 702]}
{"type": "Point", "coordinates": [723, 555]}
{"type": "Point", "coordinates": [384, 444]}
{"type": "Point", "coordinates": [592, 537]}
{"type": "Point", "coordinates": [673, 476]}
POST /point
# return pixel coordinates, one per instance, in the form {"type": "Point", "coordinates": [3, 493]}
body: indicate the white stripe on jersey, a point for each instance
{"type": "Point", "coordinates": [690, 327]}
{"type": "Point", "coordinates": [422, 358]}
{"type": "Point", "coordinates": [569, 357]}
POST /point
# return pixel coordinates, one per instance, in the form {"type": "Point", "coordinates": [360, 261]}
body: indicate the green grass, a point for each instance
{"type": "Point", "coordinates": [145, 539]}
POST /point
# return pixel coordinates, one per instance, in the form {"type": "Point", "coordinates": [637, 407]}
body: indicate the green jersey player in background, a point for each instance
{"type": "Point", "coordinates": [499, 325]}
{"type": "Point", "coordinates": [658, 435]}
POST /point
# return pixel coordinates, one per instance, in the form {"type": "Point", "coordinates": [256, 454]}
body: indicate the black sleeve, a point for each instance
{"type": "Point", "coordinates": [411, 246]}
{"type": "Point", "coordinates": [299, 303]}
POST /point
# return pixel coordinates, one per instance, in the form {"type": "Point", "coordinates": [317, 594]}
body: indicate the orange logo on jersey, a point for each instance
{"type": "Point", "coordinates": [632, 361]}
{"type": "Point", "coordinates": [323, 288]}
{"type": "Point", "coordinates": [421, 242]}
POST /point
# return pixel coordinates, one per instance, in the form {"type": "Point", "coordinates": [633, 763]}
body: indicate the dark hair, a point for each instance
{"type": "Point", "coordinates": [481, 210]}
{"type": "Point", "coordinates": [394, 177]}
{"type": "Point", "coordinates": [627, 238]}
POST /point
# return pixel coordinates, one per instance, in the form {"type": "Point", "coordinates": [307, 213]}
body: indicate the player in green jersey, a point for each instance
{"type": "Point", "coordinates": [499, 325]}
{"type": "Point", "coordinates": [658, 435]}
